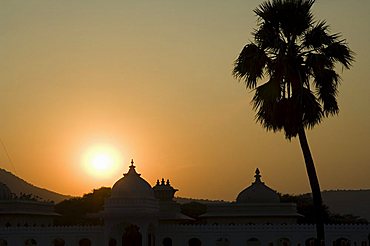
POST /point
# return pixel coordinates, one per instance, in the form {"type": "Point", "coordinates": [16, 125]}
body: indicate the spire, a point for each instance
{"type": "Point", "coordinates": [132, 169]}
{"type": "Point", "coordinates": [257, 176]}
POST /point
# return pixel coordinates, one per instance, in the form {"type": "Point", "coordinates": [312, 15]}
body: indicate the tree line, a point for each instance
{"type": "Point", "coordinates": [85, 210]}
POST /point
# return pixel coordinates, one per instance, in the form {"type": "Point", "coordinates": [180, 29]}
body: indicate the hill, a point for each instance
{"type": "Point", "coordinates": [356, 202]}
{"type": "Point", "coordinates": [18, 185]}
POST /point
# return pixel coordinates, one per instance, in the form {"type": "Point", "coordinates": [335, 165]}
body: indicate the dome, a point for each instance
{"type": "Point", "coordinates": [258, 192]}
{"type": "Point", "coordinates": [131, 185]}
{"type": "Point", "coordinates": [5, 193]}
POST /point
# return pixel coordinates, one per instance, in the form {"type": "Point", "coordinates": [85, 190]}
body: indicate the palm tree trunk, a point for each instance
{"type": "Point", "coordinates": [315, 186]}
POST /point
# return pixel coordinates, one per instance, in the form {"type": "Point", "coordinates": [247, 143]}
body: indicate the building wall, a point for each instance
{"type": "Point", "coordinates": [25, 220]}
{"type": "Point", "coordinates": [208, 234]}
{"type": "Point", "coordinates": [251, 220]}
{"type": "Point", "coordinates": [44, 236]}
{"type": "Point", "coordinates": [266, 234]}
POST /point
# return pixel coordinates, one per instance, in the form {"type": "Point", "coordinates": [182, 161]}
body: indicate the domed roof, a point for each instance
{"type": "Point", "coordinates": [258, 192]}
{"type": "Point", "coordinates": [5, 193]}
{"type": "Point", "coordinates": [131, 185]}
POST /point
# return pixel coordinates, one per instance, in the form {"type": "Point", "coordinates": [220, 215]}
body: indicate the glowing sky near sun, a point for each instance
{"type": "Point", "coordinates": [153, 80]}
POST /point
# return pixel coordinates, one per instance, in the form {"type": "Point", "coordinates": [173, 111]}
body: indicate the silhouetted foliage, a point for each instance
{"type": "Point", "coordinates": [346, 219]}
{"type": "Point", "coordinates": [28, 197]}
{"type": "Point", "coordinates": [76, 211]}
{"type": "Point", "coordinates": [305, 207]}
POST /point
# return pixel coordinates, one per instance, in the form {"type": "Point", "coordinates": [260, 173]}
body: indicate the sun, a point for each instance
{"type": "Point", "coordinates": [102, 161]}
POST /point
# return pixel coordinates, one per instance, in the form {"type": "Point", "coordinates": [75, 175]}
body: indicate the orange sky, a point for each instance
{"type": "Point", "coordinates": [153, 80]}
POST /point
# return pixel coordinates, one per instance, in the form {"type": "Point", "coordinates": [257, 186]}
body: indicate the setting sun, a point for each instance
{"type": "Point", "coordinates": [102, 161]}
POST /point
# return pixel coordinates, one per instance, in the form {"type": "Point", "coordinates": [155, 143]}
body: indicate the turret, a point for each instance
{"type": "Point", "coordinates": [163, 191]}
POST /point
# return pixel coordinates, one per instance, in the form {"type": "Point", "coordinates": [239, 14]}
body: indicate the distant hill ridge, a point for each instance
{"type": "Point", "coordinates": [355, 202]}
{"type": "Point", "coordinates": [18, 185]}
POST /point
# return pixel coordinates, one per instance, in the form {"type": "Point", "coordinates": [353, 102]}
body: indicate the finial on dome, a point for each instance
{"type": "Point", "coordinates": [257, 176]}
{"type": "Point", "coordinates": [132, 169]}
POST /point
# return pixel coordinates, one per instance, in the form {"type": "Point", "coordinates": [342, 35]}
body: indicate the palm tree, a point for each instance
{"type": "Point", "coordinates": [297, 56]}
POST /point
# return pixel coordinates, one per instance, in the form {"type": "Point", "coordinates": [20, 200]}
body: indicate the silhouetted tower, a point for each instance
{"type": "Point", "coordinates": [163, 191]}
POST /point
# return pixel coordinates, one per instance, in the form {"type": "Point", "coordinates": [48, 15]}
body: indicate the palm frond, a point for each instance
{"type": "Point", "coordinates": [326, 76]}
{"type": "Point", "coordinates": [264, 102]}
{"type": "Point", "coordinates": [292, 16]}
{"type": "Point", "coordinates": [311, 109]}
{"type": "Point", "coordinates": [326, 82]}
{"type": "Point", "coordinates": [250, 65]}
{"type": "Point", "coordinates": [269, 92]}
{"type": "Point", "coordinates": [317, 61]}
{"type": "Point", "coordinates": [340, 52]}
{"type": "Point", "coordinates": [266, 12]}
{"type": "Point", "coordinates": [295, 16]}
{"type": "Point", "coordinates": [289, 112]}
{"type": "Point", "coordinates": [268, 37]}
{"type": "Point", "coordinates": [318, 36]}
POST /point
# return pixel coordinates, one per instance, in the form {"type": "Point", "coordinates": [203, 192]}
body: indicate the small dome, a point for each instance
{"type": "Point", "coordinates": [258, 192]}
{"type": "Point", "coordinates": [5, 193]}
{"type": "Point", "coordinates": [132, 186]}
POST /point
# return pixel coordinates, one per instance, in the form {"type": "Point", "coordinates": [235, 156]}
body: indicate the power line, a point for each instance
{"type": "Point", "coordinates": [8, 156]}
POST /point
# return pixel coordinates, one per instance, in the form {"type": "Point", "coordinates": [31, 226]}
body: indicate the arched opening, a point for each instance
{"type": "Point", "coordinates": [283, 242]}
{"type": "Point", "coordinates": [195, 242]}
{"type": "Point", "coordinates": [167, 241]}
{"type": "Point", "coordinates": [30, 242]}
{"type": "Point", "coordinates": [310, 242]}
{"type": "Point", "coordinates": [151, 235]}
{"type": "Point", "coordinates": [132, 236]}
{"type": "Point", "coordinates": [84, 242]}
{"type": "Point", "coordinates": [222, 242]}
{"type": "Point", "coordinates": [3, 242]}
{"type": "Point", "coordinates": [253, 242]}
{"type": "Point", "coordinates": [342, 242]}
{"type": "Point", "coordinates": [59, 242]}
{"type": "Point", "coordinates": [112, 242]}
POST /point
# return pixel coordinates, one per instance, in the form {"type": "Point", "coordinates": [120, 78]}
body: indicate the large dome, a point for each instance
{"type": "Point", "coordinates": [131, 185]}
{"type": "Point", "coordinates": [258, 192]}
{"type": "Point", "coordinates": [5, 193]}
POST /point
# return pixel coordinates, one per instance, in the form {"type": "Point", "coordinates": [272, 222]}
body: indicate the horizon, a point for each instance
{"type": "Point", "coordinates": [152, 81]}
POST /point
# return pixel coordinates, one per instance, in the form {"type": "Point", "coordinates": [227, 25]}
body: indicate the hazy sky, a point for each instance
{"type": "Point", "coordinates": [153, 80]}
